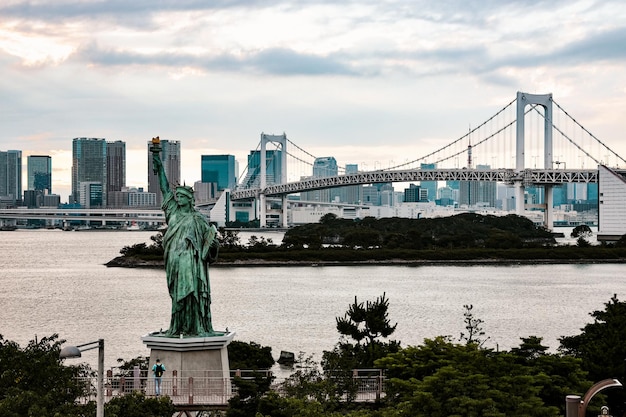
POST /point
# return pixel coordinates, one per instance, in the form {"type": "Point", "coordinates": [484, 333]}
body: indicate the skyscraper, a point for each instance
{"type": "Point", "coordinates": [431, 186]}
{"type": "Point", "coordinates": [116, 166]}
{"type": "Point", "coordinates": [89, 164]}
{"type": "Point", "coordinates": [219, 169]}
{"type": "Point", "coordinates": [478, 193]}
{"type": "Point", "coordinates": [39, 169]}
{"type": "Point", "coordinates": [170, 155]}
{"type": "Point", "coordinates": [11, 178]}
{"type": "Point", "coordinates": [273, 168]}
{"type": "Point", "coordinates": [352, 194]}
{"type": "Point", "coordinates": [323, 167]}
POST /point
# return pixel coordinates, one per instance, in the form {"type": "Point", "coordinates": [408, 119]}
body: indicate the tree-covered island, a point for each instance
{"type": "Point", "coordinates": [464, 238]}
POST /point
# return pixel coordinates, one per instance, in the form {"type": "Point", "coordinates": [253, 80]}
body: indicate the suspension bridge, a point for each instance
{"type": "Point", "coordinates": [530, 142]}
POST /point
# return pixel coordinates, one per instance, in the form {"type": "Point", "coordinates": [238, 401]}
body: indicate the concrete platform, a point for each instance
{"type": "Point", "coordinates": [191, 356]}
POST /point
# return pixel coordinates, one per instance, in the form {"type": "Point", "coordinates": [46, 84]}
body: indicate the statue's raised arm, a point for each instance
{"type": "Point", "coordinates": [158, 166]}
{"type": "Point", "coordinates": [190, 244]}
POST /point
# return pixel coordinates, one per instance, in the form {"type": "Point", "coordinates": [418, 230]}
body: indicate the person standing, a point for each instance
{"type": "Point", "coordinates": [158, 369]}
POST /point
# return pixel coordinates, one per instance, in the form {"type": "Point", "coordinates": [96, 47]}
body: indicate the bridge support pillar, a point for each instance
{"type": "Point", "coordinates": [549, 217]}
{"type": "Point", "coordinates": [262, 210]}
{"type": "Point", "coordinates": [284, 208]}
{"type": "Point", "coordinates": [519, 199]}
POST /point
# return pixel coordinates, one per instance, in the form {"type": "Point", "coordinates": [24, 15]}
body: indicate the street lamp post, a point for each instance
{"type": "Point", "coordinates": [575, 407]}
{"type": "Point", "coordinates": [75, 352]}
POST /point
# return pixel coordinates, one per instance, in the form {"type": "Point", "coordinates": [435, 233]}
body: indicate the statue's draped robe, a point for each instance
{"type": "Point", "coordinates": [190, 244]}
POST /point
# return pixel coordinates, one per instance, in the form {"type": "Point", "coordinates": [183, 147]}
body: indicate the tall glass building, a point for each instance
{"type": "Point", "coordinates": [39, 168]}
{"type": "Point", "coordinates": [11, 178]}
{"type": "Point", "coordinates": [431, 186]}
{"type": "Point", "coordinates": [89, 164]}
{"type": "Point", "coordinates": [170, 156]}
{"type": "Point", "coordinates": [116, 166]}
{"type": "Point", "coordinates": [219, 169]}
{"type": "Point", "coordinates": [323, 167]}
{"type": "Point", "coordinates": [273, 168]}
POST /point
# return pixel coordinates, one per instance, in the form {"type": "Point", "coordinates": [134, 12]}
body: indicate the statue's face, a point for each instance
{"type": "Point", "coordinates": [183, 199]}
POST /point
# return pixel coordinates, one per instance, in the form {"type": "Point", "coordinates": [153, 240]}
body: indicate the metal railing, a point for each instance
{"type": "Point", "coordinates": [195, 388]}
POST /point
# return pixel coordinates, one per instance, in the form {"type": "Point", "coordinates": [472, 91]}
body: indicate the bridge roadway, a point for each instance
{"type": "Point", "coordinates": [154, 216]}
{"type": "Point", "coordinates": [527, 177]}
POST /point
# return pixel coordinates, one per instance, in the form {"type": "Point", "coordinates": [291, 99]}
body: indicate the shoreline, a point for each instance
{"type": "Point", "coordinates": [122, 262]}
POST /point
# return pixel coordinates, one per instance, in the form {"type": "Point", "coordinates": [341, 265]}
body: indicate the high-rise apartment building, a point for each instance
{"type": "Point", "coordinates": [170, 156]}
{"type": "Point", "coordinates": [39, 168]}
{"type": "Point", "coordinates": [323, 167]}
{"type": "Point", "coordinates": [116, 166]}
{"type": "Point", "coordinates": [219, 169]}
{"type": "Point", "coordinates": [89, 165]}
{"type": "Point", "coordinates": [273, 168]}
{"type": "Point", "coordinates": [10, 178]}
{"type": "Point", "coordinates": [352, 194]}
{"type": "Point", "coordinates": [431, 186]}
{"type": "Point", "coordinates": [478, 193]}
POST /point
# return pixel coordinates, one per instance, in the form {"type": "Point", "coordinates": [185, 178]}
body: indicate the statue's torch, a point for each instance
{"type": "Point", "coordinates": [155, 149]}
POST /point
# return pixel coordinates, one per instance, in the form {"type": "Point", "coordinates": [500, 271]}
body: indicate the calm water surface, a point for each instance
{"type": "Point", "coordinates": [55, 282]}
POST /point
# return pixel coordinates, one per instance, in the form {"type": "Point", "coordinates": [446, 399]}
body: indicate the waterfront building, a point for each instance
{"type": "Point", "coordinates": [611, 204]}
{"type": "Point", "coordinates": [430, 186]}
{"type": "Point", "coordinates": [39, 169]}
{"type": "Point", "coordinates": [170, 156]}
{"type": "Point", "coordinates": [91, 194]}
{"type": "Point", "coordinates": [415, 194]}
{"type": "Point", "coordinates": [116, 166]}
{"type": "Point", "coordinates": [219, 169]}
{"type": "Point", "coordinates": [205, 192]}
{"type": "Point", "coordinates": [131, 197]}
{"type": "Point", "coordinates": [323, 167]}
{"type": "Point", "coordinates": [89, 165]}
{"type": "Point", "coordinates": [51, 200]}
{"type": "Point", "coordinates": [141, 198]}
{"type": "Point", "coordinates": [351, 194]}
{"type": "Point", "coordinates": [273, 169]}
{"type": "Point", "coordinates": [10, 178]}
{"type": "Point", "coordinates": [478, 193]}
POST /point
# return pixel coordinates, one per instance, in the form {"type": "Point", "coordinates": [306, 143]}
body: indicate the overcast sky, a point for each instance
{"type": "Point", "coordinates": [362, 81]}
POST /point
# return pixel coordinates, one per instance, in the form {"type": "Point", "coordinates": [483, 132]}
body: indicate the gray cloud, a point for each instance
{"type": "Point", "coordinates": [274, 61]}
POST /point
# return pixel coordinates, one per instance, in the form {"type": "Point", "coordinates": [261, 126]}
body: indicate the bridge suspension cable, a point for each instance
{"type": "Point", "coordinates": [586, 131]}
{"type": "Point", "coordinates": [458, 140]}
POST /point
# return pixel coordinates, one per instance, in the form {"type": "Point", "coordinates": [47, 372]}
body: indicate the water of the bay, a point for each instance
{"type": "Point", "coordinates": [56, 282]}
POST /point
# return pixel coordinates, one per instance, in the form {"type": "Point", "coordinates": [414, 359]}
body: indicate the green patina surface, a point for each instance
{"type": "Point", "coordinates": [190, 245]}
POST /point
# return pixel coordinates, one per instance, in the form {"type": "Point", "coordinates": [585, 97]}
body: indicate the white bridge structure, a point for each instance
{"type": "Point", "coordinates": [538, 161]}
{"type": "Point", "coordinates": [530, 142]}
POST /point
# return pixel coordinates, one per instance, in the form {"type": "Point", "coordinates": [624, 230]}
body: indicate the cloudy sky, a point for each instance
{"type": "Point", "coordinates": [363, 80]}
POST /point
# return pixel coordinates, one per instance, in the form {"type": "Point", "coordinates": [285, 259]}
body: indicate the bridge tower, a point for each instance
{"type": "Point", "coordinates": [281, 143]}
{"type": "Point", "coordinates": [545, 101]}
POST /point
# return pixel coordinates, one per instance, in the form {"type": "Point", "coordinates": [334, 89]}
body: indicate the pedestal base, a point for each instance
{"type": "Point", "coordinates": [196, 368]}
{"type": "Point", "coordinates": [191, 356]}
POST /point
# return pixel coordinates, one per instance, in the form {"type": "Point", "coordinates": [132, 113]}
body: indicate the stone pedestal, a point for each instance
{"type": "Point", "coordinates": [195, 366]}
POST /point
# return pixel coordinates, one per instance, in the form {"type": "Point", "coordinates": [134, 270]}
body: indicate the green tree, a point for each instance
{"type": "Point", "coordinates": [440, 379]}
{"type": "Point", "coordinates": [249, 356]}
{"type": "Point", "coordinates": [581, 230]}
{"type": "Point", "coordinates": [475, 333]}
{"type": "Point", "coordinates": [33, 380]}
{"type": "Point", "coordinates": [601, 348]}
{"type": "Point", "coordinates": [136, 404]}
{"type": "Point", "coordinates": [361, 331]}
{"type": "Point", "coordinates": [229, 239]}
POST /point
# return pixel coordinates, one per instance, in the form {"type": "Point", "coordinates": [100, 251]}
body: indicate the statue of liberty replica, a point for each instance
{"type": "Point", "coordinates": [190, 244]}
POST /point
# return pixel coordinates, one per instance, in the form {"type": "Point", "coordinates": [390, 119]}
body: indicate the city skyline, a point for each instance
{"type": "Point", "coordinates": [360, 81]}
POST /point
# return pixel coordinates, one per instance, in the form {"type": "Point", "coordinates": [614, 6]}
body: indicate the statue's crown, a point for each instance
{"type": "Point", "coordinates": [185, 189]}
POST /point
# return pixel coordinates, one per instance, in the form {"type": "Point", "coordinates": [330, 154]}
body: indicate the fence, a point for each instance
{"type": "Point", "coordinates": [195, 388]}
